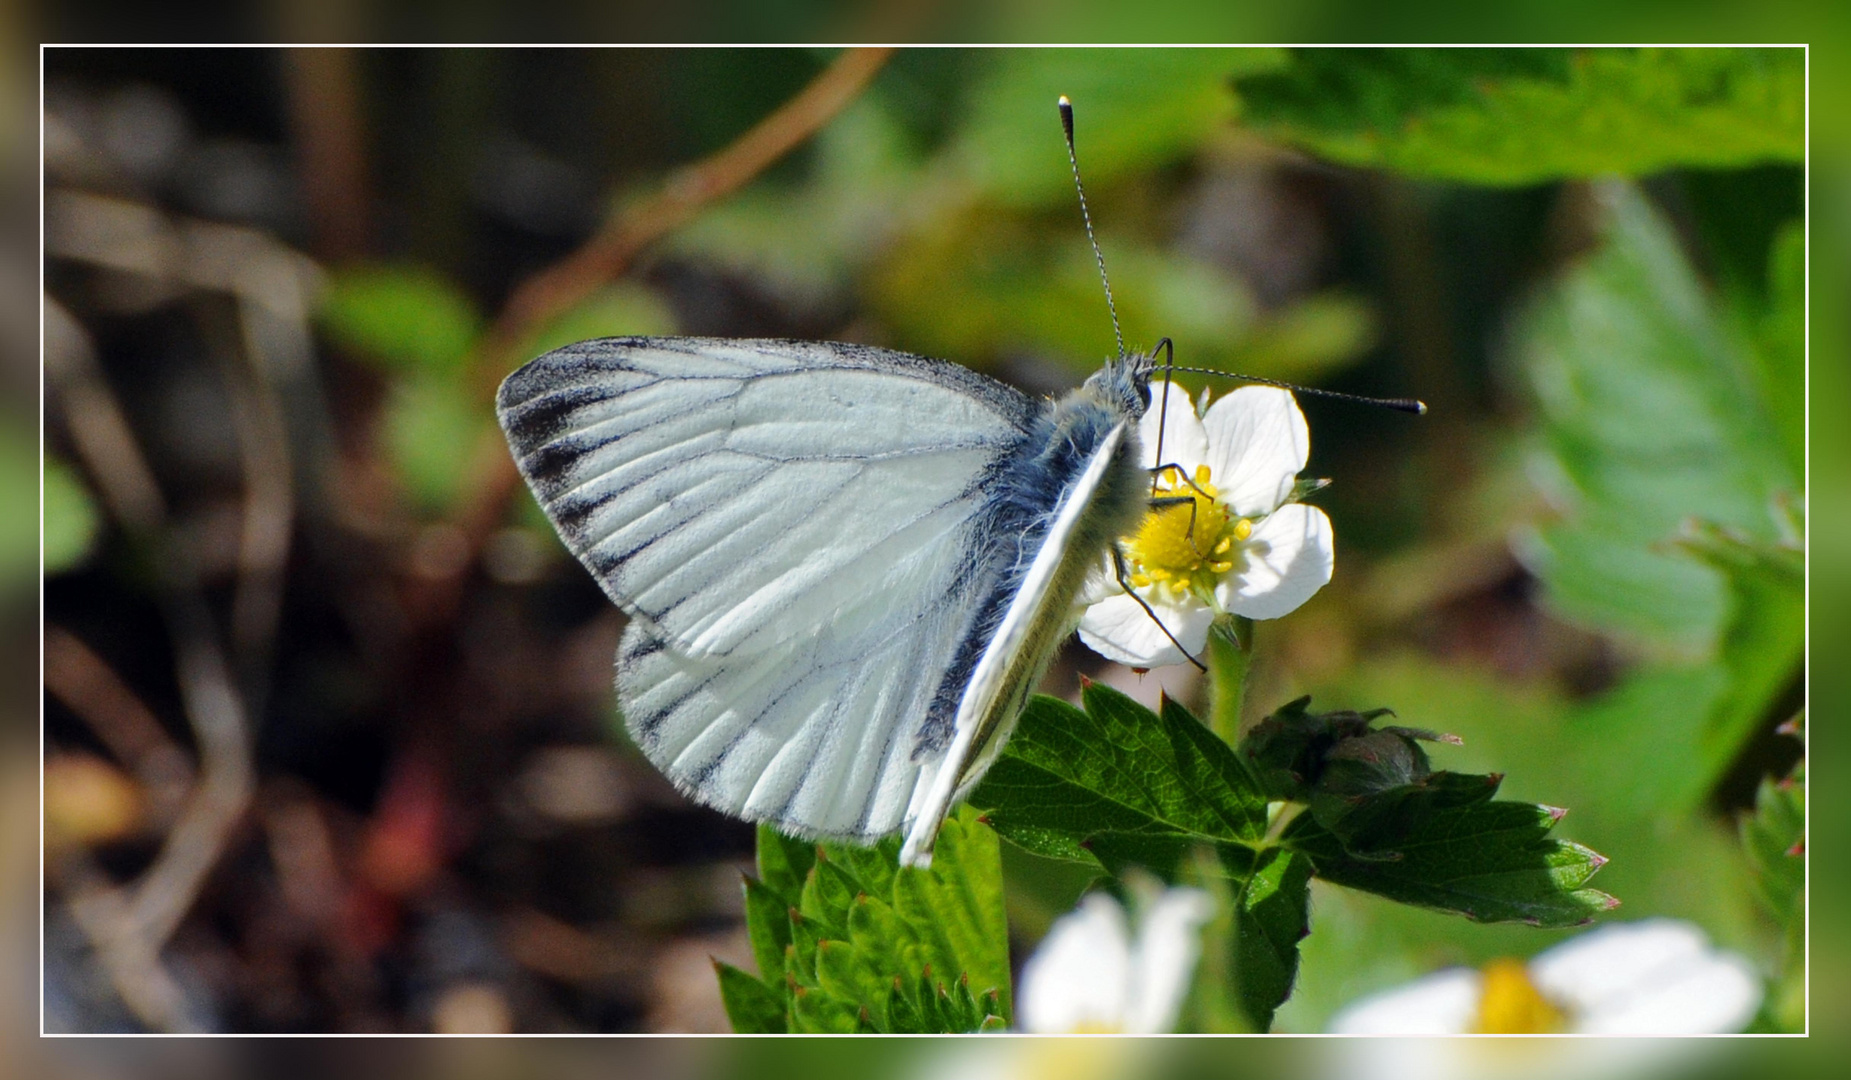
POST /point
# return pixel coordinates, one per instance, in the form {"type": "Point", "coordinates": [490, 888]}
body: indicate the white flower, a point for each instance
{"type": "Point", "coordinates": [1090, 975]}
{"type": "Point", "coordinates": [1654, 977]}
{"type": "Point", "coordinates": [1236, 546]}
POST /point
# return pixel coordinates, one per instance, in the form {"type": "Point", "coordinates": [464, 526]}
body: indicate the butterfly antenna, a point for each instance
{"type": "Point", "coordinates": [1163, 408]}
{"type": "Point", "coordinates": [1073, 159]}
{"type": "Point", "coordinates": [1406, 405]}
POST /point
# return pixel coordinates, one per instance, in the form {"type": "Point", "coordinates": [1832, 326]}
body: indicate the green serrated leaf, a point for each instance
{"type": "Point", "coordinates": [1119, 786]}
{"type": "Point", "coordinates": [1373, 826]}
{"type": "Point", "coordinates": [814, 1012]}
{"type": "Point", "coordinates": [827, 896]}
{"type": "Point", "coordinates": [844, 974]}
{"type": "Point", "coordinates": [768, 927]}
{"type": "Point", "coordinates": [408, 318]}
{"type": "Point", "coordinates": [1522, 116]}
{"type": "Point", "coordinates": [1272, 915]}
{"type": "Point", "coordinates": [853, 927]}
{"type": "Point", "coordinates": [957, 905]}
{"type": "Point", "coordinates": [800, 957]}
{"type": "Point", "coordinates": [1490, 861]}
{"type": "Point", "coordinates": [784, 862]}
{"type": "Point", "coordinates": [753, 1007]}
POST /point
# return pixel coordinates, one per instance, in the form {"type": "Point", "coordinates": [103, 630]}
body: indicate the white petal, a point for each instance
{"type": "Point", "coordinates": [1163, 961]}
{"type": "Point", "coordinates": [1587, 969]}
{"type": "Point", "coordinates": [1185, 443]}
{"type": "Point", "coordinates": [1257, 443]}
{"type": "Point", "coordinates": [1655, 977]}
{"type": "Point", "coordinates": [1078, 978]}
{"type": "Point", "coordinates": [1118, 628]}
{"type": "Point", "coordinates": [1289, 557]}
{"type": "Point", "coordinates": [1716, 993]}
{"type": "Point", "coordinates": [1443, 1003]}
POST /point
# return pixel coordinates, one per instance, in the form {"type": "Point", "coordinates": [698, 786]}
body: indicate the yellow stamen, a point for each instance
{"type": "Point", "coordinates": [1511, 1004]}
{"type": "Point", "coordinates": [1186, 547]}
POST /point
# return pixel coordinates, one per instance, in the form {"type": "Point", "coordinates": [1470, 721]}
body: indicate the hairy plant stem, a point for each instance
{"type": "Point", "coordinates": [1230, 654]}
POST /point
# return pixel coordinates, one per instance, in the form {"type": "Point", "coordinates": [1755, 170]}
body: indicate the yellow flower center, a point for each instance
{"type": "Point", "coordinates": [1511, 1004]}
{"type": "Point", "coordinates": [1185, 547]}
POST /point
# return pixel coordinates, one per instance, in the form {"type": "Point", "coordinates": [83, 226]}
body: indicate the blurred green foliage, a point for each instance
{"type": "Point", "coordinates": [1519, 116]}
{"type": "Point", "coordinates": [407, 318]}
{"type": "Point", "coordinates": [1136, 111]}
{"type": "Point", "coordinates": [69, 523]}
{"type": "Point", "coordinates": [970, 250]}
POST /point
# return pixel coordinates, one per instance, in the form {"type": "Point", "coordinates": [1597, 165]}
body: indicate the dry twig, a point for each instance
{"type": "Point", "coordinates": [129, 926]}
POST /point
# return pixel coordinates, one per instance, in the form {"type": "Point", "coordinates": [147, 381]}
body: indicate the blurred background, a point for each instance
{"type": "Point", "coordinates": [329, 741]}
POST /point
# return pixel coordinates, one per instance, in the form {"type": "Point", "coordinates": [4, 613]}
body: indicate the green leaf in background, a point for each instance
{"type": "Point", "coordinates": [1781, 336]}
{"type": "Point", "coordinates": [1678, 502]}
{"type": "Point", "coordinates": [1118, 785]}
{"type": "Point", "coordinates": [1134, 110]}
{"type": "Point", "coordinates": [847, 941]}
{"type": "Point", "coordinates": [71, 519]}
{"type": "Point", "coordinates": [1522, 116]}
{"type": "Point", "coordinates": [407, 318]}
{"type": "Point", "coordinates": [1651, 415]}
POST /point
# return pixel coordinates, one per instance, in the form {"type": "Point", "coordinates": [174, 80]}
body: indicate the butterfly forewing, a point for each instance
{"type": "Point", "coordinates": [799, 533]}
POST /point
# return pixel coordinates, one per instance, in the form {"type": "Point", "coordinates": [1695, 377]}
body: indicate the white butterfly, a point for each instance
{"type": "Point", "coordinates": [845, 567]}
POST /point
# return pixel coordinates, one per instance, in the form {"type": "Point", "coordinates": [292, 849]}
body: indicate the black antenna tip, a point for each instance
{"type": "Point", "coordinates": [1066, 116]}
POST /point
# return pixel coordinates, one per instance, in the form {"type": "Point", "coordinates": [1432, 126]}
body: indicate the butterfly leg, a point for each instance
{"type": "Point", "coordinates": [1161, 501]}
{"type": "Point", "coordinates": [1124, 582]}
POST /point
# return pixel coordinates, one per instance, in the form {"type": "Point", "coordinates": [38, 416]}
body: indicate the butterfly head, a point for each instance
{"type": "Point", "coordinates": [1123, 385]}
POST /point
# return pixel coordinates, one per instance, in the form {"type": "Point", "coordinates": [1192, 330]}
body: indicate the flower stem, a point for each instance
{"type": "Point", "coordinates": [1230, 654]}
